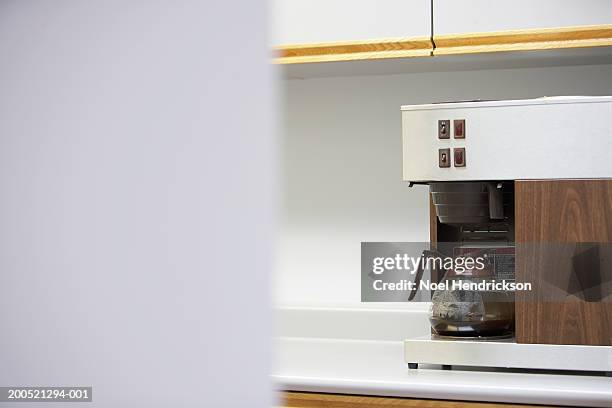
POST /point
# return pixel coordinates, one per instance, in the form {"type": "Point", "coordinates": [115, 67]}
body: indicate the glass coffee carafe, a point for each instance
{"type": "Point", "coordinates": [464, 313]}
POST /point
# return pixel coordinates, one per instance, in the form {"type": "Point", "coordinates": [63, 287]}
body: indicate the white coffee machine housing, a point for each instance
{"type": "Point", "coordinates": [544, 138]}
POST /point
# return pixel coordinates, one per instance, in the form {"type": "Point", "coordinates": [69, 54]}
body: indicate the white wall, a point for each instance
{"type": "Point", "coordinates": [342, 172]}
{"type": "Point", "coordinates": [137, 200]}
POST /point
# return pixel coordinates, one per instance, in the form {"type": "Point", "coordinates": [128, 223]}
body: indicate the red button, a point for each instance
{"type": "Point", "coordinates": [459, 157]}
{"type": "Point", "coordinates": [459, 128]}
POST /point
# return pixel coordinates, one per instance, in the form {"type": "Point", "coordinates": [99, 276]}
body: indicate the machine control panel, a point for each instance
{"type": "Point", "coordinates": [457, 159]}
{"type": "Point", "coordinates": [527, 130]}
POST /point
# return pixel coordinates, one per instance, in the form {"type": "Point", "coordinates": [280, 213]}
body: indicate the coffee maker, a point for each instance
{"type": "Point", "coordinates": [529, 182]}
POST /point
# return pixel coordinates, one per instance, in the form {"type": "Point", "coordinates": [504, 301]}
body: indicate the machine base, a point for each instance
{"type": "Point", "coordinates": [506, 354]}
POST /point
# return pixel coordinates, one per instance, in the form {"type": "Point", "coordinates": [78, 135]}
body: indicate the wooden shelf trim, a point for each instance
{"type": "Point", "coordinates": [354, 50]}
{"type": "Point", "coordinates": [455, 44]}
{"type": "Point", "coordinates": [316, 400]}
{"type": "Point", "coordinates": [524, 40]}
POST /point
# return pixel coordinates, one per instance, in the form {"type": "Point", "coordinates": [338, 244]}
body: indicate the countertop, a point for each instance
{"type": "Point", "coordinates": [376, 367]}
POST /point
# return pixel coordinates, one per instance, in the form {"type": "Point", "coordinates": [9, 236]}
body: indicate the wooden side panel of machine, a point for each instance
{"type": "Point", "coordinates": [433, 223]}
{"type": "Point", "coordinates": [552, 215]}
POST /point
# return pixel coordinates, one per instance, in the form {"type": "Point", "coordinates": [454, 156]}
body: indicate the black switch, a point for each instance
{"type": "Point", "coordinates": [444, 129]}
{"type": "Point", "coordinates": [444, 158]}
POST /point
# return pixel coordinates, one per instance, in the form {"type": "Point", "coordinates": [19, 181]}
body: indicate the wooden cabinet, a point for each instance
{"type": "Point", "coordinates": [564, 231]}
{"type": "Point", "coordinates": [316, 400]}
{"type": "Point", "coordinates": [342, 21]}
{"type": "Point", "coordinates": [307, 31]}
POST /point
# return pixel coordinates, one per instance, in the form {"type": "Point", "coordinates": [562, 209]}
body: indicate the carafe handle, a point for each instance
{"type": "Point", "coordinates": [428, 253]}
